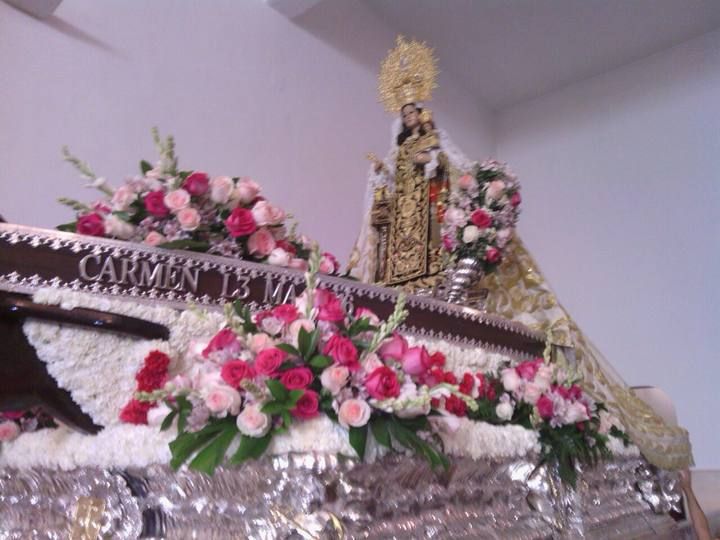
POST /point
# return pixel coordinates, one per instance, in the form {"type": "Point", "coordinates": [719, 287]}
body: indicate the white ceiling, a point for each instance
{"type": "Point", "coordinates": [507, 51]}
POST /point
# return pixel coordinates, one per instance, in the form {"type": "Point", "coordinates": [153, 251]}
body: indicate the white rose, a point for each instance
{"type": "Point", "coordinates": [504, 410]}
{"type": "Point", "coordinates": [574, 413]}
{"type": "Point", "coordinates": [253, 422]}
{"type": "Point", "coordinates": [189, 219]}
{"type": "Point", "coordinates": [354, 412]}
{"type": "Point", "coordinates": [334, 378]}
{"type": "Point", "coordinates": [156, 415]}
{"type": "Point", "coordinates": [122, 198]}
{"type": "Point", "coordinates": [221, 187]}
{"type": "Point", "coordinates": [177, 200]}
{"type": "Point", "coordinates": [221, 399]}
{"type": "Point", "coordinates": [510, 379]}
{"type": "Point", "coordinates": [279, 257]}
{"type": "Point", "coordinates": [470, 234]}
{"type": "Point", "coordinates": [114, 226]}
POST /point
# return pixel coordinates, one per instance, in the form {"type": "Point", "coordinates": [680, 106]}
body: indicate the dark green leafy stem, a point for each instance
{"type": "Point", "coordinates": [191, 245]}
{"type": "Point", "coordinates": [565, 446]}
{"type": "Point", "coordinates": [187, 443]}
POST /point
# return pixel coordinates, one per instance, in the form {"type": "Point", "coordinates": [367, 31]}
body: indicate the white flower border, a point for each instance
{"type": "Point", "coordinates": [98, 368]}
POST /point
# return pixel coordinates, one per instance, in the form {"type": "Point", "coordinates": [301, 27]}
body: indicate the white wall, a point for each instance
{"type": "Point", "coordinates": [245, 90]}
{"type": "Point", "coordinates": [621, 180]}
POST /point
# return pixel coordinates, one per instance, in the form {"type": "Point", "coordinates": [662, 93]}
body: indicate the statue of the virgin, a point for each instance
{"type": "Point", "coordinates": [399, 245]}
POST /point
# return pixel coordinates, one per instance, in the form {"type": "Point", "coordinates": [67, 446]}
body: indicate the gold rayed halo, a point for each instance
{"type": "Point", "coordinates": [407, 75]}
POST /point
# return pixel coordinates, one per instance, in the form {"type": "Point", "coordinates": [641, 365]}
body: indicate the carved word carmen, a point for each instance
{"type": "Point", "coordinates": [141, 273]}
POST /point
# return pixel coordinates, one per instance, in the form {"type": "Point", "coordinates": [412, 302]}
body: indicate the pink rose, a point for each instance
{"type": "Point", "coordinates": [328, 264]}
{"type": "Point", "coordinates": [492, 255]}
{"type": "Point", "coordinates": [287, 313]}
{"type": "Point", "coordinates": [495, 190]}
{"type": "Point", "coordinates": [253, 422]}
{"type": "Point", "coordinates": [189, 219]}
{"type": "Point", "coordinates": [466, 182]}
{"type": "Point", "coordinates": [240, 223]}
{"type": "Point", "coordinates": [294, 329]}
{"type": "Point", "coordinates": [415, 361]}
{"type": "Point", "coordinates": [334, 378]}
{"type": "Point", "coordinates": [268, 361]}
{"type": "Point", "coordinates": [246, 191]}
{"type": "Point", "coordinates": [382, 383]}
{"type": "Point", "coordinates": [221, 400]}
{"type": "Point", "coordinates": [91, 225]}
{"type": "Point", "coordinates": [9, 431]}
{"type": "Point", "coordinates": [123, 198]}
{"type": "Point", "coordinates": [343, 351]}
{"type": "Point", "coordinates": [371, 362]}
{"type": "Point", "coordinates": [259, 342]}
{"type": "Point", "coordinates": [299, 264]}
{"type": "Point", "coordinates": [543, 377]}
{"type": "Point", "coordinates": [155, 204]}
{"type": "Point", "coordinates": [481, 219]}
{"type": "Point", "coordinates": [177, 199]}
{"type": "Point", "coordinates": [455, 217]}
{"type": "Point", "coordinates": [296, 378]}
{"type": "Point", "coordinates": [154, 238]}
{"type": "Point", "coordinates": [532, 393]}
{"type": "Point", "coordinates": [235, 371]}
{"type": "Point", "coordinates": [225, 340]}
{"type": "Point", "coordinates": [394, 347]}
{"type": "Point", "coordinates": [261, 242]}
{"type": "Point", "coordinates": [545, 407]}
{"type": "Point", "coordinates": [365, 313]}
{"type": "Point", "coordinates": [197, 183]}
{"type": "Point", "coordinates": [329, 306]}
{"type": "Point", "coordinates": [307, 406]}
{"type": "Point", "coordinates": [354, 413]}
{"type": "Point", "coordinates": [515, 200]}
{"type": "Point", "coordinates": [267, 214]}
{"type": "Point", "coordinates": [527, 370]}
{"type": "Point", "coordinates": [221, 187]}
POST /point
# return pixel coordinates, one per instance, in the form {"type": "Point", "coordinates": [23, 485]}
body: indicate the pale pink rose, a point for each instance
{"type": "Point", "coordinates": [266, 214]}
{"type": "Point", "coordinates": [543, 377]}
{"type": "Point", "coordinates": [253, 422]}
{"type": "Point", "coordinates": [455, 217]}
{"type": "Point", "coordinates": [334, 378]}
{"type": "Point", "coordinates": [510, 379]}
{"type": "Point", "coordinates": [9, 431]}
{"type": "Point", "coordinates": [261, 243]}
{"type": "Point", "coordinates": [299, 264]}
{"type": "Point", "coordinates": [371, 362]}
{"type": "Point", "coordinates": [189, 219]}
{"type": "Point", "coordinates": [246, 191]}
{"type": "Point", "coordinates": [470, 234]}
{"type": "Point", "coordinates": [466, 182]}
{"type": "Point", "coordinates": [393, 347]}
{"type": "Point", "coordinates": [221, 399]}
{"type": "Point", "coordinates": [504, 236]}
{"type": "Point", "coordinates": [295, 326]}
{"type": "Point", "coordinates": [354, 413]}
{"type": "Point", "coordinates": [123, 197]}
{"type": "Point", "coordinates": [415, 361]}
{"type": "Point", "coordinates": [156, 415]}
{"type": "Point", "coordinates": [532, 393]}
{"type": "Point", "coordinates": [221, 187]}
{"type": "Point", "coordinates": [495, 190]}
{"type": "Point", "coordinates": [279, 257]}
{"type": "Point", "coordinates": [575, 412]}
{"type": "Point", "coordinates": [118, 228]}
{"type": "Point", "coordinates": [154, 238]}
{"type": "Point", "coordinates": [260, 342]}
{"type": "Point", "coordinates": [272, 325]}
{"type": "Point", "coordinates": [177, 200]}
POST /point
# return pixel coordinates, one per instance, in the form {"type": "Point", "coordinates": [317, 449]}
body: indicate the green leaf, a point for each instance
{"type": "Point", "coordinates": [167, 422]}
{"type": "Point", "coordinates": [145, 167]}
{"type": "Point", "coordinates": [277, 389]}
{"type": "Point", "coordinates": [287, 418]}
{"type": "Point", "coordinates": [379, 427]}
{"type": "Point", "coordinates": [288, 349]}
{"type": "Point", "coordinates": [68, 227]}
{"type": "Point", "coordinates": [361, 325]}
{"type": "Point", "coordinates": [274, 407]}
{"type": "Point", "coordinates": [250, 448]}
{"type": "Point", "coordinates": [186, 443]}
{"type": "Point", "coordinates": [320, 361]}
{"type": "Point", "coordinates": [307, 342]}
{"type": "Point", "coordinates": [293, 397]}
{"type": "Point", "coordinates": [212, 455]}
{"type": "Point", "coordinates": [190, 245]}
{"type": "Point", "coordinates": [358, 439]}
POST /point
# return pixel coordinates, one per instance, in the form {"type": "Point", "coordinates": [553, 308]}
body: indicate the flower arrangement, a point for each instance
{"type": "Point", "coordinates": [187, 209]}
{"type": "Point", "coordinates": [14, 423]}
{"type": "Point", "coordinates": [481, 215]}
{"type": "Point", "coordinates": [263, 372]}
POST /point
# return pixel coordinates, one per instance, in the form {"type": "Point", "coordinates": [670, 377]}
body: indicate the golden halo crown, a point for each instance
{"type": "Point", "coordinates": [407, 75]}
{"type": "Point", "coordinates": [426, 116]}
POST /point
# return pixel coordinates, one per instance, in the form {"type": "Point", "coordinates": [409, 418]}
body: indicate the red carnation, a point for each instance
{"type": "Point", "coordinates": [240, 222]}
{"type": "Point", "coordinates": [135, 412]}
{"type": "Point", "coordinates": [467, 383]}
{"type": "Point", "coordinates": [481, 219]}
{"type": "Point", "coordinates": [455, 405]}
{"type": "Point", "coordinates": [155, 204]}
{"type": "Point", "coordinates": [307, 406]}
{"type": "Point", "coordinates": [91, 224]}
